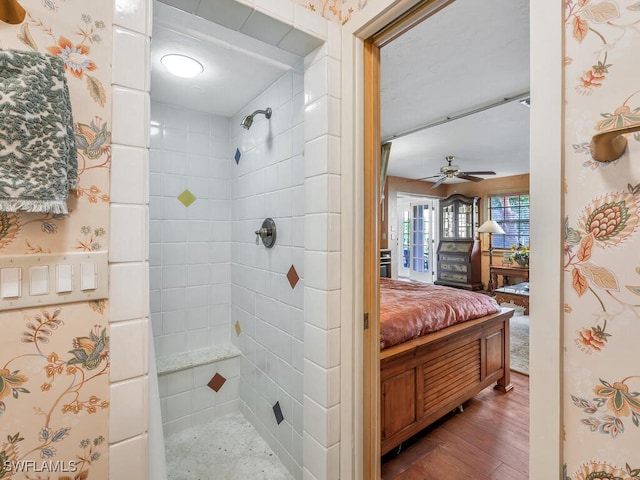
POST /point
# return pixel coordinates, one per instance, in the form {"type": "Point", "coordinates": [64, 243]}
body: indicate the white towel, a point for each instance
{"type": "Point", "coordinates": [38, 163]}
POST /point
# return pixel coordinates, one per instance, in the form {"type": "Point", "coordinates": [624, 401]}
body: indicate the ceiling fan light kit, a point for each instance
{"type": "Point", "coordinates": [453, 171]}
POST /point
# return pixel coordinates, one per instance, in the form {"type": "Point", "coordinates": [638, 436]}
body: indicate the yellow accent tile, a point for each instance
{"type": "Point", "coordinates": [187, 198]}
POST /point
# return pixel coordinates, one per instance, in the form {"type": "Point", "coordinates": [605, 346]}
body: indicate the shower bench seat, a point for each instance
{"type": "Point", "coordinates": [198, 386]}
{"type": "Point", "coordinates": [185, 360]}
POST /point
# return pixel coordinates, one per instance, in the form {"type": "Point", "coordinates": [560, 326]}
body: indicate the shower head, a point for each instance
{"type": "Point", "coordinates": [248, 120]}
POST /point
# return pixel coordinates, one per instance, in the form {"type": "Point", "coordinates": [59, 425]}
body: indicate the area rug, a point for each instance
{"type": "Point", "coordinates": [519, 329]}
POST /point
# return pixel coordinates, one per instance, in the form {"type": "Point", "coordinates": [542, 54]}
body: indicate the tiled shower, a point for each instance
{"type": "Point", "coordinates": [267, 286]}
{"type": "Point", "coordinates": [190, 259]}
{"type": "Point", "coordinates": [189, 229]}
{"type": "Point", "coordinates": [213, 288]}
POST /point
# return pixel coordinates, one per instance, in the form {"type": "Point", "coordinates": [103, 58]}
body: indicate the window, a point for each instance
{"type": "Point", "coordinates": [418, 226]}
{"type": "Point", "coordinates": [420, 234]}
{"type": "Point", "coordinates": [406, 238]}
{"type": "Point", "coordinates": [512, 214]}
{"type": "Point", "coordinates": [421, 238]}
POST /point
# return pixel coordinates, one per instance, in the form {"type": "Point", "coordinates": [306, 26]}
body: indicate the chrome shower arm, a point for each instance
{"type": "Point", "coordinates": [267, 113]}
{"type": "Point", "coordinates": [247, 121]}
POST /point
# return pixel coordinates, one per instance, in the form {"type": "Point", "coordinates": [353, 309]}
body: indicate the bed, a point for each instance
{"type": "Point", "coordinates": [439, 347]}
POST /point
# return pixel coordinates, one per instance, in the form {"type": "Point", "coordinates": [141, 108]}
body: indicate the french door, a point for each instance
{"type": "Point", "coordinates": [417, 243]}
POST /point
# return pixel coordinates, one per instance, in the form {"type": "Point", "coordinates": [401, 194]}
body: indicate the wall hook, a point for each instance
{"type": "Point", "coordinates": [610, 145]}
{"type": "Point", "coordinates": [11, 12]}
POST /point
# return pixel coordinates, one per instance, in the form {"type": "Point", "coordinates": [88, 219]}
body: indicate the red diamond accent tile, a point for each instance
{"type": "Point", "coordinates": [292, 276]}
{"type": "Point", "coordinates": [216, 382]}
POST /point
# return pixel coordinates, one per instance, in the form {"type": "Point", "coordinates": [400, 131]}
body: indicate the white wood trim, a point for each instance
{"type": "Point", "coordinates": [351, 453]}
{"type": "Point", "coordinates": [546, 180]}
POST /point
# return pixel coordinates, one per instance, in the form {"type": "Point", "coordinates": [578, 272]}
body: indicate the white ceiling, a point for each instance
{"type": "Point", "coordinates": [241, 57]}
{"type": "Point", "coordinates": [470, 55]}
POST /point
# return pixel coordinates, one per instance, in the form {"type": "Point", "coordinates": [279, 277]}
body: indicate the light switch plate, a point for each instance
{"type": "Point", "coordinates": [10, 282]}
{"type": "Point", "coordinates": [65, 289]}
{"type": "Point", "coordinates": [64, 278]}
{"type": "Point", "coordinates": [39, 280]}
{"type": "Point", "coordinates": [88, 276]}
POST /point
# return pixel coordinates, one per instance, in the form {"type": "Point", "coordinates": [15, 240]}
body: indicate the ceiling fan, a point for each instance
{"type": "Point", "coordinates": [453, 171]}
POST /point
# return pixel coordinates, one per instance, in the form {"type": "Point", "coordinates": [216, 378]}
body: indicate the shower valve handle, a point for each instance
{"type": "Point", "coordinates": [262, 232]}
{"type": "Point", "coordinates": [267, 233]}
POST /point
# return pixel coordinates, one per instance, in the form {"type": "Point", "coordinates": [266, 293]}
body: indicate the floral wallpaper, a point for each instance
{"type": "Point", "coordinates": [80, 34]}
{"type": "Point", "coordinates": [601, 241]}
{"type": "Point", "coordinates": [54, 360]}
{"type": "Point", "coordinates": [339, 11]}
{"type": "Point", "coordinates": [54, 393]}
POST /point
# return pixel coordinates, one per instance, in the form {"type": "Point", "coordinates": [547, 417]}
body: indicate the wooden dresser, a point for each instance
{"type": "Point", "coordinates": [458, 250]}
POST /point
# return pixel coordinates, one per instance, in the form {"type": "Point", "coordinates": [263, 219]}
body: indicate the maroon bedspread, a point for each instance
{"type": "Point", "coordinates": [409, 310]}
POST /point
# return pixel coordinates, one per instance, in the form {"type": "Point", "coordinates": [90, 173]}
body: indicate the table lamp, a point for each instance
{"type": "Point", "coordinates": [490, 227]}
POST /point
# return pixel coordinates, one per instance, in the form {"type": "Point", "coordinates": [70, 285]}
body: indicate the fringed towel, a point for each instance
{"type": "Point", "coordinates": [38, 163]}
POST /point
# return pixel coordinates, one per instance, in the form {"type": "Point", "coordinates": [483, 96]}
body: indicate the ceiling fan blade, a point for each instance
{"type": "Point", "coordinates": [469, 177]}
{"type": "Point", "coordinates": [426, 178]}
{"type": "Point", "coordinates": [480, 172]}
{"type": "Point", "coordinates": [437, 184]}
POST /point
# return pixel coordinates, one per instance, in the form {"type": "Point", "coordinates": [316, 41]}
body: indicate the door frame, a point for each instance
{"type": "Point", "coordinates": [434, 227]}
{"type": "Point", "coordinates": [360, 154]}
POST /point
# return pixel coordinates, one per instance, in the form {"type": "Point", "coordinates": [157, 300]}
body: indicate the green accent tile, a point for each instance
{"type": "Point", "coordinates": [187, 198]}
{"type": "Point", "coordinates": [238, 328]}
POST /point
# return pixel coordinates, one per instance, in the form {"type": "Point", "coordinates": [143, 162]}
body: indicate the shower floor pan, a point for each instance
{"type": "Point", "coordinates": [227, 448]}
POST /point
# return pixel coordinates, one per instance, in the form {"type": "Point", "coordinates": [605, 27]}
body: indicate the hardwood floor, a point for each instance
{"type": "Point", "coordinates": [488, 441]}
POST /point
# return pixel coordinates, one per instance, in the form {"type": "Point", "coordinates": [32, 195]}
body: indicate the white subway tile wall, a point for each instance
{"type": "Point", "coordinates": [268, 181]}
{"type": "Point", "coordinates": [128, 271]}
{"type": "Point", "coordinates": [192, 308]}
{"type": "Point", "coordinates": [129, 105]}
{"type": "Point", "coordinates": [189, 279]}
{"type": "Point", "coordinates": [128, 349]}
{"type": "Point", "coordinates": [132, 219]}
{"type": "Point", "coordinates": [187, 401]}
{"type": "Point", "coordinates": [189, 258]}
{"type": "Point", "coordinates": [131, 74]}
{"type": "Point", "coordinates": [126, 423]}
{"type": "Point", "coordinates": [128, 166]}
{"type": "Point", "coordinates": [128, 459]}
{"type": "Point", "coordinates": [322, 256]}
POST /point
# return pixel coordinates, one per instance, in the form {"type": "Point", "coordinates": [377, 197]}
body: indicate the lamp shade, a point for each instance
{"type": "Point", "coordinates": [490, 226]}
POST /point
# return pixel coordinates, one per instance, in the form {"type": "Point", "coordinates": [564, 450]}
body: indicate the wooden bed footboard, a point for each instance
{"type": "Point", "coordinates": [424, 379]}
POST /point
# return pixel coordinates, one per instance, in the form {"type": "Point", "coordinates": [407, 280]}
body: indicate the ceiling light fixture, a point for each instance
{"type": "Point", "coordinates": [181, 65]}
